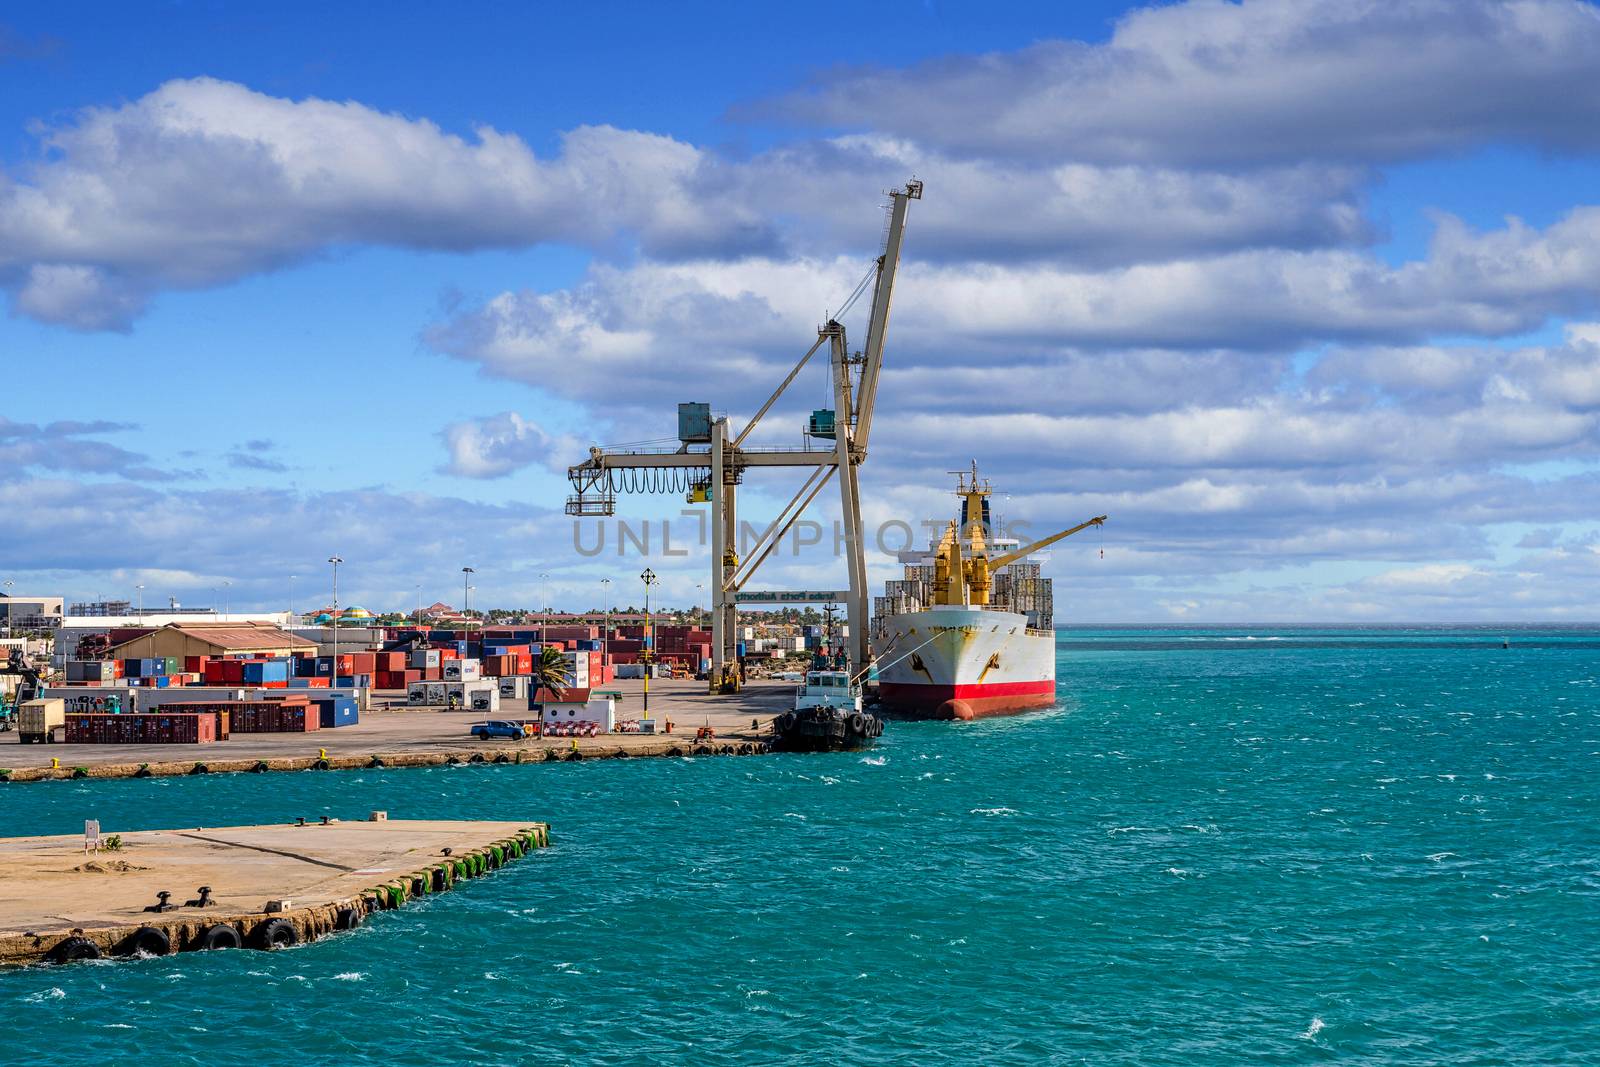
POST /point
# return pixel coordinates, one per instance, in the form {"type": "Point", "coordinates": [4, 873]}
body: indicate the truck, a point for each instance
{"type": "Point", "coordinates": [37, 719]}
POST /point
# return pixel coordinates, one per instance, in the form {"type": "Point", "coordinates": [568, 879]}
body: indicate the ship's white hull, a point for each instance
{"type": "Point", "coordinates": [963, 663]}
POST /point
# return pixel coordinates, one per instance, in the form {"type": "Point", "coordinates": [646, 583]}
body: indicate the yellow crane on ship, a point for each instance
{"type": "Point", "coordinates": [963, 570]}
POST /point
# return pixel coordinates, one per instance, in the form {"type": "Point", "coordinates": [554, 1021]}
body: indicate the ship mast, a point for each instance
{"type": "Point", "coordinates": [963, 570]}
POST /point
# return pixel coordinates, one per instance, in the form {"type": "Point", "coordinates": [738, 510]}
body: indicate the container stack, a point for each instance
{"type": "Point", "coordinates": [158, 728]}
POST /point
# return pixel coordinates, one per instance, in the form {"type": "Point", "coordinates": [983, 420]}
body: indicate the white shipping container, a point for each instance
{"type": "Point", "coordinates": [514, 687]}
{"type": "Point", "coordinates": [37, 718]}
{"type": "Point", "coordinates": [463, 670]}
{"type": "Point", "coordinates": [484, 700]}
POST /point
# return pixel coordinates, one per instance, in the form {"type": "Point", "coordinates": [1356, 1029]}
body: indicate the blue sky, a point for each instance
{"type": "Point", "coordinates": [1300, 293]}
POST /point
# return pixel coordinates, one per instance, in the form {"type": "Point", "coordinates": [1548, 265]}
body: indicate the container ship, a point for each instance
{"type": "Point", "coordinates": [969, 632]}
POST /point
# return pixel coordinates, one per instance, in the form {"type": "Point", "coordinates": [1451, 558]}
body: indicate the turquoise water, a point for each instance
{"type": "Point", "coordinates": [1354, 846]}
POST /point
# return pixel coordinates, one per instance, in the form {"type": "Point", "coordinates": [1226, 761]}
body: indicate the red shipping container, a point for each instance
{"type": "Point", "coordinates": [158, 728]}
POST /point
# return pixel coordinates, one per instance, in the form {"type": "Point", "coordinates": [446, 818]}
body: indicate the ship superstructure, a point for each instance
{"type": "Point", "coordinates": [968, 631]}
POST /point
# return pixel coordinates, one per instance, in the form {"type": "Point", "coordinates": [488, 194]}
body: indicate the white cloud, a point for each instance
{"type": "Point", "coordinates": [1263, 81]}
{"type": "Point", "coordinates": [741, 320]}
{"type": "Point", "coordinates": [203, 181]}
{"type": "Point", "coordinates": [991, 210]}
{"type": "Point", "coordinates": [1431, 577]}
{"type": "Point", "coordinates": [498, 445]}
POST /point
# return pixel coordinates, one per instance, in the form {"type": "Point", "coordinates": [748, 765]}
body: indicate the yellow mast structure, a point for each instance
{"type": "Point", "coordinates": [963, 572]}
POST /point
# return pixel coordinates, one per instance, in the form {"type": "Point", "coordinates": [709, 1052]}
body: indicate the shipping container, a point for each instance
{"type": "Point", "coordinates": [336, 711]}
{"type": "Point", "coordinates": [158, 728]}
{"type": "Point", "coordinates": [463, 670]}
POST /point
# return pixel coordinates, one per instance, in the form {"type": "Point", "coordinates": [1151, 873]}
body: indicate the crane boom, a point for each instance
{"type": "Point", "coordinates": [878, 321]}
{"type": "Point", "coordinates": [1011, 557]}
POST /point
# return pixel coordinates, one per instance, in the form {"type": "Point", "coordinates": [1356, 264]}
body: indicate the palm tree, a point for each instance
{"type": "Point", "coordinates": [550, 671]}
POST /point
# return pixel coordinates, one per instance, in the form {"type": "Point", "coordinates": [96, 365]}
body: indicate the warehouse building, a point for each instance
{"type": "Point", "coordinates": [215, 640]}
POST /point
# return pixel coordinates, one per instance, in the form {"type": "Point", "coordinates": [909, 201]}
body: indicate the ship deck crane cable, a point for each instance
{"type": "Point", "coordinates": [883, 666]}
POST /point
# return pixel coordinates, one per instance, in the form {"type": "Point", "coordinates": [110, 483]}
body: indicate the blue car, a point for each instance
{"type": "Point", "coordinates": [483, 731]}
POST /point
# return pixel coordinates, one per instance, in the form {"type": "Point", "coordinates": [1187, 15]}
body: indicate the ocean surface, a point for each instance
{"type": "Point", "coordinates": [1264, 845]}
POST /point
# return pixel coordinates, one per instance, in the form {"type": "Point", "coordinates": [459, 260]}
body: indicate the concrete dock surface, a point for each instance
{"type": "Point", "coordinates": [401, 736]}
{"type": "Point", "coordinates": [55, 889]}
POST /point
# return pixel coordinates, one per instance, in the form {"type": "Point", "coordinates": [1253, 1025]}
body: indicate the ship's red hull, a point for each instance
{"type": "Point", "coordinates": [976, 700]}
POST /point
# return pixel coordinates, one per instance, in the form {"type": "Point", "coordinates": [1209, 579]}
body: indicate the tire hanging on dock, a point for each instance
{"type": "Point", "coordinates": [275, 934]}
{"type": "Point", "coordinates": [147, 940]}
{"type": "Point", "coordinates": [72, 950]}
{"type": "Point", "coordinates": [218, 937]}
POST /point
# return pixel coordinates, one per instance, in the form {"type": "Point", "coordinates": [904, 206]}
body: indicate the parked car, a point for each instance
{"type": "Point", "coordinates": [483, 731]}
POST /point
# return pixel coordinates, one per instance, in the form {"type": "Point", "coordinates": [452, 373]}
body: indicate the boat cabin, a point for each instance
{"type": "Point", "coordinates": [828, 689]}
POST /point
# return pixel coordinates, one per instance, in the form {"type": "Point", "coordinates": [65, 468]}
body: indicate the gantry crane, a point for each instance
{"type": "Point", "coordinates": [711, 462]}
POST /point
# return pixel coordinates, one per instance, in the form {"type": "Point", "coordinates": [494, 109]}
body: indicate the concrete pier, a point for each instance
{"type": "Point", "coordinates": [269, 886]}
{"type": "Point", "coordinates": [392, 735]}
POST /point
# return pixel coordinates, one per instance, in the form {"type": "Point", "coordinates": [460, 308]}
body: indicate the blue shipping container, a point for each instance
{"type": "Point", "coordinates": [266, 670]}
{"type": "Point", "coordinates": [337, 715]}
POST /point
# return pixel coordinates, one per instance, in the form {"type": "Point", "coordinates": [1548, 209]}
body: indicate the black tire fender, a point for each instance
{"type": "Point", "coordinates": [275, 934]}
{"type": "Point", "coordinates": [218, 937]}
{"type": "Point", "coordinates": [72, 949]}
{"type": "Point", "coordinates": [146, 939]}
{"type": "Point", "coordinates": [346, 918]}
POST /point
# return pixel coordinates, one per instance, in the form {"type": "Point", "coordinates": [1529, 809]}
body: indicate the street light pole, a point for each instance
{"type": "Point", "coordinates": [141, 602]}
{"type": "Point", "coordinates": [649, 579]}
{"type": "Point", "coordinates": [227, 598]}
{"type": "Point", "coordinates": [544, 593]}
{"type": "Point", "coordinates": [466, 593]}
{"type": "Point", "coordinates": [335, 560]}
{"type": "Point", "coordinates": [292, 577]}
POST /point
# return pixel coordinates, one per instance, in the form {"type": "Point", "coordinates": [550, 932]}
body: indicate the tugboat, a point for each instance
{"type": "Point", "coordinates": [818, 726]}
{"type": "Point", "coordinates": [827, 715]}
